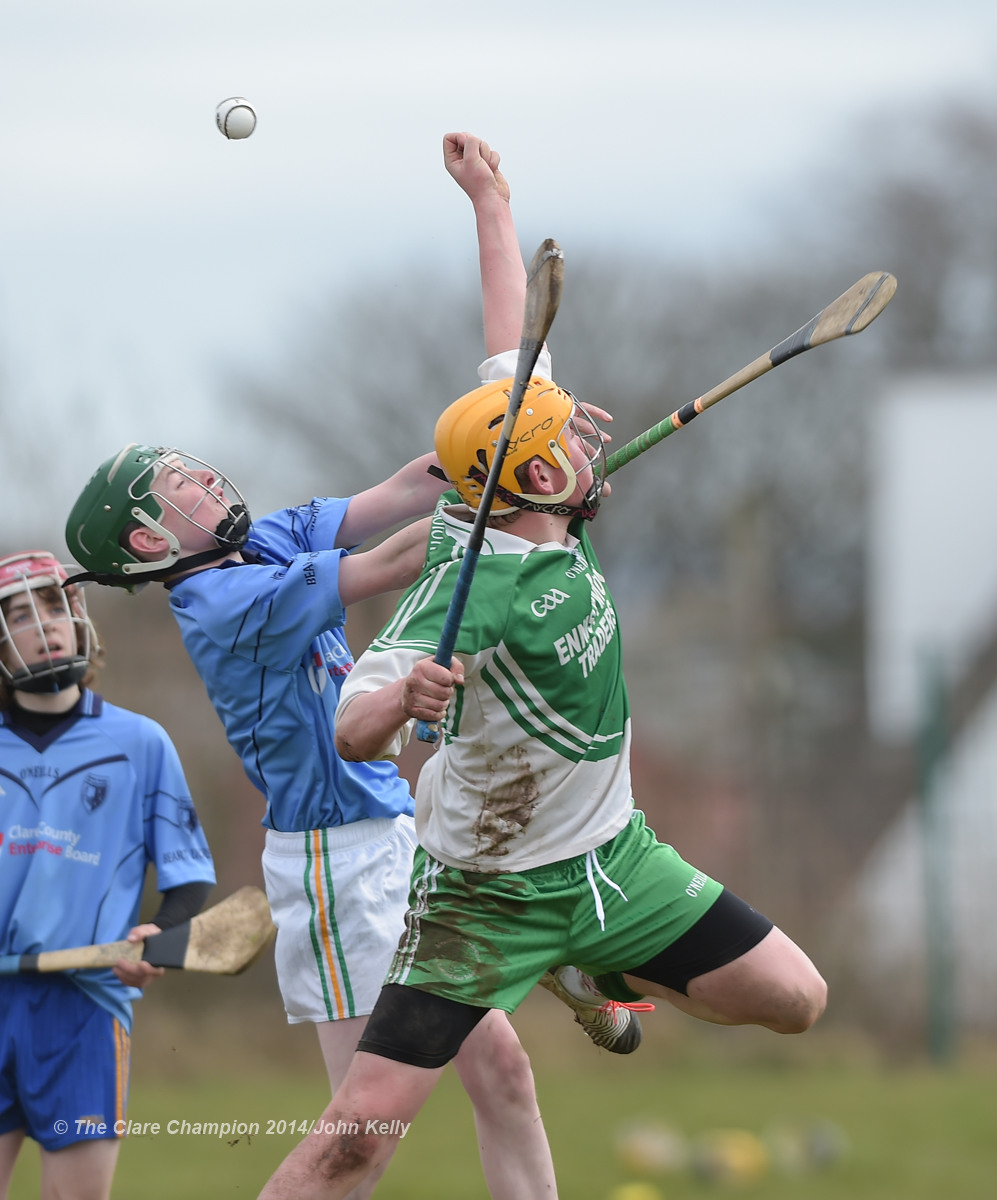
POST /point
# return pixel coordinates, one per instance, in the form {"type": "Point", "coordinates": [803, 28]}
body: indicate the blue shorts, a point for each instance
{"type": "Point", "coordinates": [63, 1063]}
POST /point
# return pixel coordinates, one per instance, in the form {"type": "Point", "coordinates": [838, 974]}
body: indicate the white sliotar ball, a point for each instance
{"type": "Point", "coordinates": [235, 117]}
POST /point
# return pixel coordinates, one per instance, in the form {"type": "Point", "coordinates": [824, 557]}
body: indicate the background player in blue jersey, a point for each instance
{"type": "Point", "coordinates": [90, 796]}
{"type": "Point", "coordinates": [262, 622]}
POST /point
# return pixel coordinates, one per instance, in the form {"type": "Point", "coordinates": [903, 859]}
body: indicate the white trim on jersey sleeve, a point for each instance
{"type": "Point", "coordinates": [370, 673]}
{"type": "Point", "coordinates": [502, 365]}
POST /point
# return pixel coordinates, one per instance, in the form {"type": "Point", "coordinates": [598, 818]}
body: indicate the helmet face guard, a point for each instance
{"type": "Point", "coordinates": [468, 431]}
{"type": "Point", "coordinates": [126, 490]}
{"type": "Point", "coordinates": [31, 587]}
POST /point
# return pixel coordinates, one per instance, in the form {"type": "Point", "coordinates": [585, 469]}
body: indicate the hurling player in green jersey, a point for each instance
{"type": "Point", "coordinates": [532, 852]}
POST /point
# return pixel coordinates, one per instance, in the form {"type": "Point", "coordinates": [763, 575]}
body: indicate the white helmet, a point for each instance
{"type": "Point", "coordinates": [25, 576]}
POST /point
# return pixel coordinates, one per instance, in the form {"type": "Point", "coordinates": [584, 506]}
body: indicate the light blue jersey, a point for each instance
{"type": "Point", "coordinates": [267, 639]}
{"type": "Point", "coordinates": [84, 810]}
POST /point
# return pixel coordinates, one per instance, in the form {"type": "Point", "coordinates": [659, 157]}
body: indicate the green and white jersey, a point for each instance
{"type": "Point", "coordinates": [534, 761]}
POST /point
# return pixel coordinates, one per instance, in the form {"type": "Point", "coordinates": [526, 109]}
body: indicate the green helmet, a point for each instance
{"type": "Point", "coordinates": [120, 493]}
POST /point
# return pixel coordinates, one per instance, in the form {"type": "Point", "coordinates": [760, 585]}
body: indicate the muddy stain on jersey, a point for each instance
{"type": "Point", "coordinates": [511, 795]}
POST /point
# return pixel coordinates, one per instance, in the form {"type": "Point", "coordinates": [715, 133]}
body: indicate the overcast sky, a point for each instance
{"type": "Point", "coordinates": [139, 250]}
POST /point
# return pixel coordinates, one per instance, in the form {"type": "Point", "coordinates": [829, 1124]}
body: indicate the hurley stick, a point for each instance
{"type": "Point", "coordinates": [223, 940]}
{"type": "Point", "coordinates": [544, 281]}
{"type": "Point", "coordinates": [850, 313]}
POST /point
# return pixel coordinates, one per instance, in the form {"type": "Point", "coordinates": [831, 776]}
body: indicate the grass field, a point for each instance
{"type": "Point", "coordinates": [913, 1132]}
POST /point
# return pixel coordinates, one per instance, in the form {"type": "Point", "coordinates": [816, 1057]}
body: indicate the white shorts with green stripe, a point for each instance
{"type": "Point", "coordinates": [338, 898]}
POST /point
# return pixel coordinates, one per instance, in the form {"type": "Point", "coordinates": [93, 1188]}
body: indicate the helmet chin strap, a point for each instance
{"type": "Point", "coordinates": [554, 504]}
{"type": "Point", "coordinates": [233, 530]}
{"type": "Point", "coordinates": [231, 533]}
{"type": "Point", "coordinates": [56, 676]}
{"type": "Point", "coordinates": [586, 511]}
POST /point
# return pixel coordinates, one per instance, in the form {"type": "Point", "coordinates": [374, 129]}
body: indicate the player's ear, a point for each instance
{"type": "Point", "coordinates": [540, 475]}
{"type": "Point", "coordinates": [145, 543]}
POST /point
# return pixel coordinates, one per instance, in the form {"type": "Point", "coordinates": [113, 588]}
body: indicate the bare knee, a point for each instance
{"type": "Point", "coordinates": [349, 1154]}
{"type": "Point", "coordinates": [512, 1073]}
{"type": "Point", "coordinates": [494, 1068]}
{"type": "Point", "coordinates": [799, 1009]}
{"type": "Point", "coordinates": [773, 984]}
{"type": "Point", "coordinates": [781, 984]}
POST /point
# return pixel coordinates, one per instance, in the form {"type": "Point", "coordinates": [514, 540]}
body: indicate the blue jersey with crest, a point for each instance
{"type": "Point", "coordinates": [84, 810]}
{"type": "Point", "coordinates": [266, 637]}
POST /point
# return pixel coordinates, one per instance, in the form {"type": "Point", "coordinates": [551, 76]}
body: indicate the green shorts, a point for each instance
{"type": "Point", "coordinates": [485, 939]}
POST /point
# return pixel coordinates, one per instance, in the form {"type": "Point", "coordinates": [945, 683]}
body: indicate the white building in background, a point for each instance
{"type": "Point", "coordinates": [932, 564]}
{"type": "Point", "coordinates": [932, 569]}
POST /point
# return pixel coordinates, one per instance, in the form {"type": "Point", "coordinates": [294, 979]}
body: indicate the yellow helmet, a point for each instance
{"type": "Point", "coordinates": [467, 433]}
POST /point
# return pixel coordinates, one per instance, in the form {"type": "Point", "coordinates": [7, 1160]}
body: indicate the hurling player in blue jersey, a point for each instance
{"type": "Point", "coordinates": [261, 607]}
{"type": "Point", "coordinates": [91, 795]}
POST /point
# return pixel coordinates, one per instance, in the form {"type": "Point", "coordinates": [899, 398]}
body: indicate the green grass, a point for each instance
{"type": "Point", "coordinates": [914, 1132]}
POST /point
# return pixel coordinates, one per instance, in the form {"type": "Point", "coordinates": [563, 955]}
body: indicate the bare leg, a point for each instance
{"type": "Point", "coordinates": [496, 1074]}
{"type": "Point", "coordinates": [338, 1040]}
{"type": "Point", "coordinates": [774, 984]}
{"type": "Point", "coordinates": [10, 1147]}
{"type": "Point", "coordinates": [357, 1132]}
{"type": "Point", "coordinates": [83, 1171]}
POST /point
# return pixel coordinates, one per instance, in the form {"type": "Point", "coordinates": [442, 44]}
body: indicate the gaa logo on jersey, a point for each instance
{"type": "Point", "coordinates": [548, 602]}
{"type": "Point", "coordinates": [94, 792]}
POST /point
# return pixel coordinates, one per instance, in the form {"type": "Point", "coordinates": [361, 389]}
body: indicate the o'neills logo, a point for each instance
{"type": "Point", "coordinates": [696, 884]}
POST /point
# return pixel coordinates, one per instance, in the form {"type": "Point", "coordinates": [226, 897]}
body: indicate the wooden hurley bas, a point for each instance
{"type": "Point", "coordinates": [223, 940]}
{"type": "Point", "coordinates": [852, 312]}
